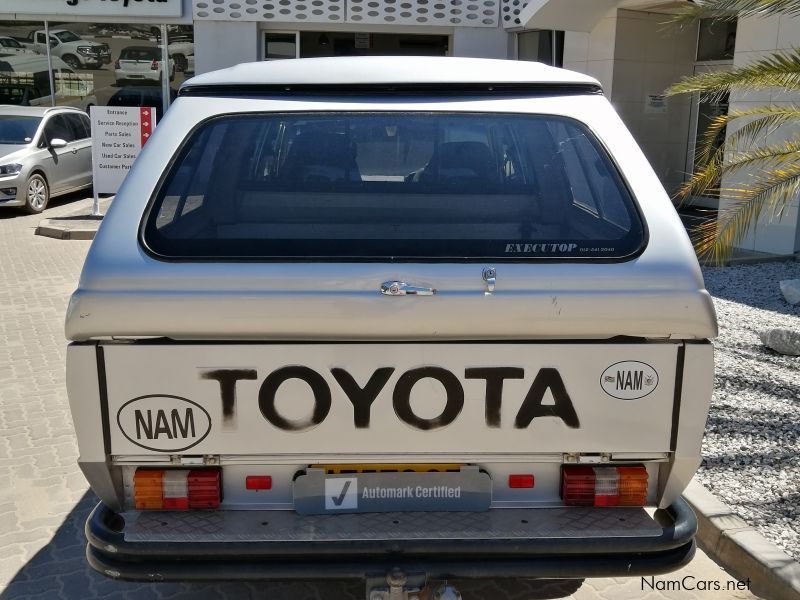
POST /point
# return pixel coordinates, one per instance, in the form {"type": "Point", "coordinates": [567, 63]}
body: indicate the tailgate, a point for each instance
{"type": "Point", "coordinates": [136, 66]}
{"type": "Point", "coordinates": [325, 400]}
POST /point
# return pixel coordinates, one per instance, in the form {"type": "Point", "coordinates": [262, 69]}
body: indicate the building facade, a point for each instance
{"type": "Point", "coordinates": [631, 46]}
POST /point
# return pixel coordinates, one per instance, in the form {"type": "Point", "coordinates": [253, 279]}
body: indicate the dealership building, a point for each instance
{"type": "Point", "coordinates": [631, 46]}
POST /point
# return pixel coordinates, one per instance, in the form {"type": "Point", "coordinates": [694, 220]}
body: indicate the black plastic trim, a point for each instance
{"type": "Point", "coordinates": [109, 553]}
{"type": "Point", "coordinates": [676, 400]}
{"type": "Point", "coordinates": [551, 567]}
{"type": "Point", "coordinates": [348, 89]}
{"type": "Point", "coordinates": [103, 388]}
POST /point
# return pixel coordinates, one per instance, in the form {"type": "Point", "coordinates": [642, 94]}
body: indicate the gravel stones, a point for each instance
{"type": "Point", "coordinates": [751, 448]}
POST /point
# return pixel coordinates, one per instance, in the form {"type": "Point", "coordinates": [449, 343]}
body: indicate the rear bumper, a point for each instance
{"type": "Point", "coordinates": [311, 555]}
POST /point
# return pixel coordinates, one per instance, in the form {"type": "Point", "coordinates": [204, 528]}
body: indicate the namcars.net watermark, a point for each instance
{"type": "Point", "coordinates": [691, 583]}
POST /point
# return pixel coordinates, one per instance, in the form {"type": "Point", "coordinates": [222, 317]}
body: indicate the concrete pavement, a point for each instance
{"type": "Point", "coordinates": [45, 500]}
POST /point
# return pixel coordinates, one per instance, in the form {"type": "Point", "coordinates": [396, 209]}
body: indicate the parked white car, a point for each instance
{"type": "Point", "coordinates": [44, 152]}
{"type": "Point", "coordinates": [10, 46]}
{"type": "Point", "coordinates": [141, 63]}
{"type": "Point", "coordinates": [390, 318]}
{"type": "Point", "coordinates": [183, 55]}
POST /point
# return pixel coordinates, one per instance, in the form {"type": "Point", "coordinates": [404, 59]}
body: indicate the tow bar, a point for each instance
{"type": "Point", "coordinates": [397, 585]}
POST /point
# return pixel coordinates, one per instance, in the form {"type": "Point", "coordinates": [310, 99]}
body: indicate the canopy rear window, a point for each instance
{"type": "Point", "coordinates": [392, 186]}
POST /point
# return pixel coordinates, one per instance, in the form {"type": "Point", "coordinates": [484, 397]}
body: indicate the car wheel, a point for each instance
{"type": "Point", "coordinates": [37, 194]}
{"type": "Point", "coordinates": [72, 61]}
{"type": "Point", "coordinates": [180, 62]}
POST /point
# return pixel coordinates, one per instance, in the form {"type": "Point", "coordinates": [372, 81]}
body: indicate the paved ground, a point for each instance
{"type": "Point", "coordinates": [44, 499]}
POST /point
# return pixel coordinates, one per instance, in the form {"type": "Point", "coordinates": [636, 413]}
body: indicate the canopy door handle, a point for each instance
{"type": "Point", "coordinates": [401, 288]}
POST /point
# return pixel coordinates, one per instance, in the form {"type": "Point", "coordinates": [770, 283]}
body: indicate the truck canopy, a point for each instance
{"type": "Point", "coordinates": [266, 249]}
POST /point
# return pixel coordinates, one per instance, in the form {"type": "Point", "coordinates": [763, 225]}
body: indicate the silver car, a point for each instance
{"type": "Point", "coordinates": [44, 152]}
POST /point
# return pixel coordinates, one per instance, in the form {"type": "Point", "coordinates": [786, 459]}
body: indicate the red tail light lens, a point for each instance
{"type": "Point", "coordinates": [154, 65]}
{"type": "Point", "coordinates": [577, 486]}
{"type": "Point", "coordinates": [258, 482]}
{"type": "Point", "coordinates": [520, 481]}
{"type": "Point", "coordinates": [604, 486]}
{"type": "Point", "coordinates": [176, 489]}
{"type": "Point", "coordinates": [204, 489]}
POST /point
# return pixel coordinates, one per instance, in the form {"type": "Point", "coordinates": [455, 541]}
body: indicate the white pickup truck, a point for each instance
{"type": "Point", "coordinates": [394, 319]}
{"type": "Point", "coordinates": [69, 47]}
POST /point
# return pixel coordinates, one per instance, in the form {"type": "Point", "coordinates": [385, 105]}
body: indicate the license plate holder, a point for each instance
{"type": "Point", "coordinates": [318, 493]}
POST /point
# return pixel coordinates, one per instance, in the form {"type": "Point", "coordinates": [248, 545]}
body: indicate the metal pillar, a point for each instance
{"type": "Point", "coordinates": [49, 63]}
{"type": "Point", "coordinates": [165, 90]}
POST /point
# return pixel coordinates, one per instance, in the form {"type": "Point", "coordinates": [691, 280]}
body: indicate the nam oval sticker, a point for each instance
{"type": "Point", "coordinates": [629, 380]}
{"type": "Point", "coordinates": [163, 423]}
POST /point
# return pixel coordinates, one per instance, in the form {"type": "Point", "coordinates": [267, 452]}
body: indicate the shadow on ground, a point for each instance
{"type": "Point", "coordinates": [59, 570]}
{"type": "Point", "coordinates": [10, 212]}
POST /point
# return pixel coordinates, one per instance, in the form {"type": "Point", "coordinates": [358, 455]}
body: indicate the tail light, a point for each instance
{"type": "Point", "coordinates": [604, 486]}
{"type": "Point", "coordinates": [176, 489]}
{"type": "Point", "coordinates": [520, 481]}
{"type": "Point", "coordinates": [154, 65]}
{"type": "Point", "coordinates": [116, 64]}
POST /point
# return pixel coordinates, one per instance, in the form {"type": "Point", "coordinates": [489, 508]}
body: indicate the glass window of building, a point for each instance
{"type": "Point", "coordinates": [541, 46]}
{"type": "Point", "coordinates": [93, 64]}
{"type": "Point", "coordinates": [716, 40]}
{"type": "Point", "coordinates": [280, 45]}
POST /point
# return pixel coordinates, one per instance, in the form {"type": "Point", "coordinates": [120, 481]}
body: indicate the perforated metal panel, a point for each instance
{"type": "Point", "coordinates": [284, 11]}
{"type": "Point", "coordinates": [460, 13]}
{"type": "Point", "coordinates": [510, 11]}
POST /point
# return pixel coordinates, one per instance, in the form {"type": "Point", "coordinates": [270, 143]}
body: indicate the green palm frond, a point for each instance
{"type": "Point", "coordinates": [779, 69]}
{"type": "Point", "coordinates": [771, 172]}
{"type": "Point", "coordinates": [770, 191]}
{"type": "Point", "coordinates": [765, 119]}
{"type": "Point", "coordinates": [730, 10]}
{"type": "Point", "coordinates": [765, 158]}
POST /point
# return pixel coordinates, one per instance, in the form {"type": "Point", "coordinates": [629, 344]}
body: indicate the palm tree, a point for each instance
{"type": "Point", "coordinates": [770, 173]}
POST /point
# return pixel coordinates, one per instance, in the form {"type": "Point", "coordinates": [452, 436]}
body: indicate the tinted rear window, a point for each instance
{"type": "Point", "coordinates": [140, 54]}
{"type": "Point", "coordinates": [392, 186]}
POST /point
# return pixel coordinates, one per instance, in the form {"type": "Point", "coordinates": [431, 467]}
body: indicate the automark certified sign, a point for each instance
{"type": "Point", "coordinates": [318, 493]}
{"type": "Point", "coordinates": [629, 380]}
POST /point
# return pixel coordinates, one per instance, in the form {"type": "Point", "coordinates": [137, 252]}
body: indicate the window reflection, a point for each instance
{"type": "Point", "coordinates": [92, 63]}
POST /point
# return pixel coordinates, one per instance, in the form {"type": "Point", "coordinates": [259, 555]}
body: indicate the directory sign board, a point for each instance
{"type": "Point", "coordinates": [118, 135]}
